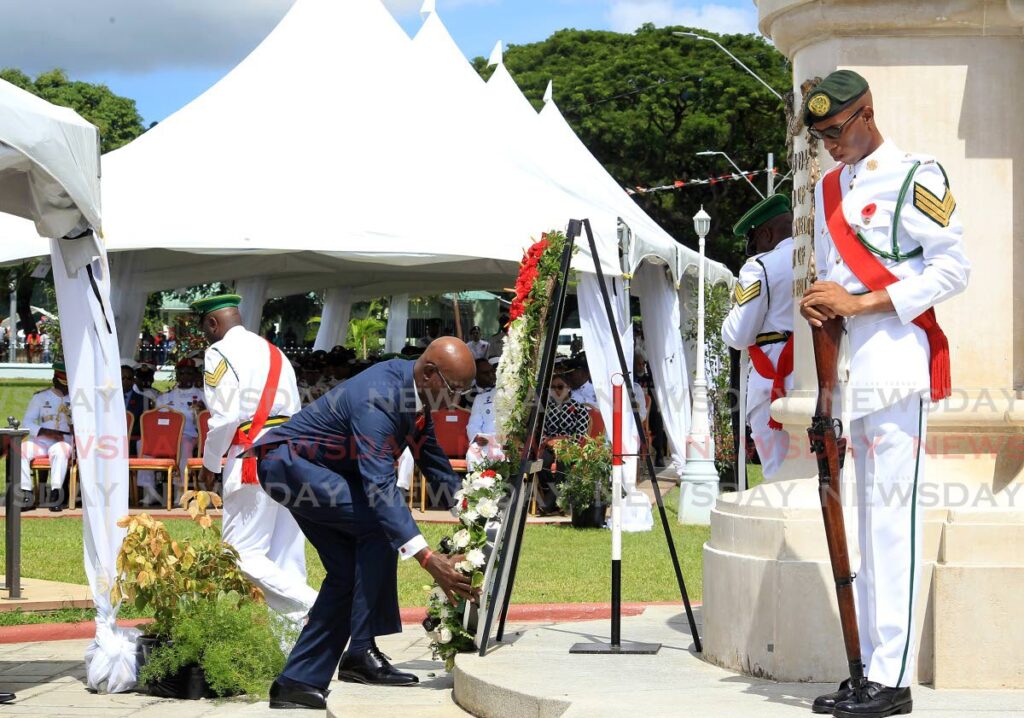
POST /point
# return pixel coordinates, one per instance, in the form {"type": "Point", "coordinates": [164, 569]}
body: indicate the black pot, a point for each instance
{"type": "Point", "coordinates": [591, 517]}
{"type": "Point", "coordinates": [187, 684]}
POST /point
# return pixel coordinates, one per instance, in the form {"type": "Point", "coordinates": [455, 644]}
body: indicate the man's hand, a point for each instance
{"type": "Point", "coordinates": [826, 300]}
{"type": "Point", "coordinates": [208, 478]}
{"type": "Point", "coordinates": [452, 582]}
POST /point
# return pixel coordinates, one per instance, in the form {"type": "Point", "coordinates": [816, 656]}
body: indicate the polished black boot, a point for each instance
{"type": "Point", "coordinates": [877, 701]}
{"type": "Point", "coordinates": [286, 693]}
{"type": "Point", "coordinates": [372, 668]}
{"type": "Point", "coordinates": [56, 500]}
{"type": "Point", "coordinates": [827, 702]}
{"type": "Point", "coordinates": [7, 697]}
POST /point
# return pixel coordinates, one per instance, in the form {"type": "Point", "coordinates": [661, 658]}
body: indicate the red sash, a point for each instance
{"type": "Point", "coordinates": [873, 275]}
{"type": "Point", "coordinates": [763, 366]}
{"type": "Point", "coordinates": [245, 438]}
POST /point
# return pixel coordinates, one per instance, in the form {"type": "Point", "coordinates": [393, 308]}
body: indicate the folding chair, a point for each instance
{"type": "Point", "coordinates": [450, 430]}
{"type": "Point", "coordinates": [160, 447]}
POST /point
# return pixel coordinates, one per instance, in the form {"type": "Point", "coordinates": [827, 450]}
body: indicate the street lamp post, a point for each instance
{"type": "Point", "coordinates": [735, 59]}
{"type": "Point", "coordinates": [12, 331]}
{"type": "Point", "coordinates": [699, 488]}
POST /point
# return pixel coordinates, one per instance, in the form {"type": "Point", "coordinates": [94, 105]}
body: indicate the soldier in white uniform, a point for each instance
{"type": "Point", "coordinates": [186, 397]}
{"type": "Point", "coordinates": [237, 372]}
{"type": "Point", "coordinates": [761, 321]}
{"type": "Point", "coordinates": [48, 421]}
{"type": "Point", "coordinates": [483, 441]}
{"type": "Point", "coordinates": [888, 247]}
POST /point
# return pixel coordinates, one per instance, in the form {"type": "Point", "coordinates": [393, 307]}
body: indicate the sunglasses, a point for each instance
{"type": "Point", "coordinates": [448, 386]}
{"type": "Point", "coordinates": [835, 131]}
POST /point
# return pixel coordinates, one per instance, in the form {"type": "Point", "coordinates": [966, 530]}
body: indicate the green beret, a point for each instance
{"type": "Point", "coordinates": [760, 213]}
{"type": "Point", "coordinates": [202, 307]}
{"type": "Point", "coordinates": [833, 95]}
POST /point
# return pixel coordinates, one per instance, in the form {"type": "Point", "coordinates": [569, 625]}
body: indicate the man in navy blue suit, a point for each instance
{"type": "Point", "coordinates": [333, 466]}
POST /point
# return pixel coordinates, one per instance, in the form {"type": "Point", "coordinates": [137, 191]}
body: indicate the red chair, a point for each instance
{"type": "Point", "coordinates": [596, 429]}
{"type": "Point", "coordinates": [160, 447]}
{"type": "Point", "coordinates": [450, 430]}
{"type": "Point", "coordinates": [195, 464]}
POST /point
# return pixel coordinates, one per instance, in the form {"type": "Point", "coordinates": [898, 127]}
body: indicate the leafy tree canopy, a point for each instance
{"type": "Point", "coordinates": [645, 103]}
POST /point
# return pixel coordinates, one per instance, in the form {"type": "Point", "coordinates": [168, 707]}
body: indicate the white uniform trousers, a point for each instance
{"type": "Point", "coordinates": [270, 545]}
{"type": "Point", "coordinates": [888, 453]}
{"type": "Point", "coordinates": [772, 446]}
{"type": "Point", "coordinates": [37, 447]}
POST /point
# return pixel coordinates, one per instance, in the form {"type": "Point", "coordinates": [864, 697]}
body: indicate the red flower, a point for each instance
{"type": "Point", "coordinates": [465, 504]}
{"type": "Point", "coordinates": [489, 474]}
{"type": "Point", "coordinates": [869, 211]}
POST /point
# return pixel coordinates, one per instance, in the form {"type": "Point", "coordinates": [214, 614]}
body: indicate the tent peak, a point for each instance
{"type": "Point", "coordinates": [497, 55]}
{"type": "Point", "coordinates": [549, 93]}
{"type": "Point", "coordinates": [428, 8]}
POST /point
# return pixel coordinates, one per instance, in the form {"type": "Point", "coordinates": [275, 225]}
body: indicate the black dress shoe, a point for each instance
{"type": "Point", "coordinates": [6, 697]}
{"type": "Point", "coordinates": [372, 668]}
{"type": "Point", "coordinates": [285, 693]}
{"type": "Point", "coordinates": [827, 702]}
{"type": "Point", "coordinates": [878, 701]}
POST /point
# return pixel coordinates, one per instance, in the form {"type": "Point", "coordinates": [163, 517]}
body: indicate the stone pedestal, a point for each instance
{"type": "Point", "coordinates": [945, 80]}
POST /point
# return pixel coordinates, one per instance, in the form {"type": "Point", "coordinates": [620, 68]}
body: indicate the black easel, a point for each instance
{"type": "Point", "coordinates": [509, 541]}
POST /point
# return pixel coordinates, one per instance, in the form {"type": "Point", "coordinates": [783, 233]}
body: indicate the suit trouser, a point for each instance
{"type": "Point", "coordinates": [269, 543]}
{"type": "Point", "coordinates": [56, 450]}
{"type": "Point", "coordinates": [888, 452]}
{"type": "Point", "coordinates": [772, 446]}
{"type": "Point", "coordinates": [358, 598]}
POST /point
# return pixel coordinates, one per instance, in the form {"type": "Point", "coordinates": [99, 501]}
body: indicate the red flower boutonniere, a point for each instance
{"type": "Point", "coordinates": [868, 212]}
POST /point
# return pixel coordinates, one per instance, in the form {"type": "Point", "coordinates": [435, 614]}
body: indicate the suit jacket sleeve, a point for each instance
{"type": "Point", "coordinates": [434, 464]}
{"type": "Point", "coordinates": [930, 219]}
{"type": "Point", "coordinates": [375, 429]}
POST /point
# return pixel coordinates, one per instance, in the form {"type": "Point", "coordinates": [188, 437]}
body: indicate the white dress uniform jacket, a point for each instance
{"type": "Point", "coordinates": [901, 206]}
{"type": "Point", "coordinates": [762, 315]}
{"type": "Point", "coordinates": [269, 542]}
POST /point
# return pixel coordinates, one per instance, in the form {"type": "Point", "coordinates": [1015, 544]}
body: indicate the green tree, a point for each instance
{"type": "Point", "coordinates": [645, 103]}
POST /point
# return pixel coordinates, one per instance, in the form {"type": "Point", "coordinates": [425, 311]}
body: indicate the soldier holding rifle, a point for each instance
{"type": "Point", "coordinates": [888, 249]}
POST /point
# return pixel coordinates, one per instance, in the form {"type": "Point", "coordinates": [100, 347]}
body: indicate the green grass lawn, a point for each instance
{"type": "Point", "coordinates": [559, 564]}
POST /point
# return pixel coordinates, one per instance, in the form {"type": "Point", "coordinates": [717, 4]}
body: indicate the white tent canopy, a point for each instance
{"type": "Point", "coordinates": [49, 175]}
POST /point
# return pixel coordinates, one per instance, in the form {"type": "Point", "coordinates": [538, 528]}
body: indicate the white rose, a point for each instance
{"type": "Point", "coordinates": [465, 566]}
{"type": "Point", "coordinates": [444, 635]}
{"type": "Point", "coordinates": [461, 538]}
{"type": "Point", "coordinates": [476, 557]}
{"type": "Point", "coordinates": [469, 517]}
{"type": "Point", "coordinates": [488, 508]}
{"type": "Point", "coordinates": [461, 494]}
{"type": "Point", "coordinates": [484, 482]}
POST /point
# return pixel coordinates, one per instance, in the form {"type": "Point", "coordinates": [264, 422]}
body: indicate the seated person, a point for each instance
{"type": "Point", "coordinates": [564, 418]}
{"type": "Point", "coordinates": [480, 430]}
{"type": "Point", "coordinates": [578, 378]}
{"type": "Point", "coordinates": [186, 397]}
{"type": "Point", "coordinates": [48, 421]}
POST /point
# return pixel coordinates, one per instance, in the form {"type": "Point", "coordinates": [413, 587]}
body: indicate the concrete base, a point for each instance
{"type": "Point", "coordinates": [698, 492]}
{"type": "Point", "coordinates": [40, 595]}
{"type": "Point", "coordinates": [770, 607]}
{"type": "Point", "coordinates": [534, 675]}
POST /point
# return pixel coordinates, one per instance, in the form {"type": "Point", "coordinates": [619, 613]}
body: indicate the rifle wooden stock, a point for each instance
{"type": "Point", "coordinates": [829, 447]}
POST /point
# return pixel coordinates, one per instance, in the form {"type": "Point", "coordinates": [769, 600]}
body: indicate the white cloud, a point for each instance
{"type": "Point", "coordinates": [628, 15]}
{"type": "Point", "coordinates": [133, 35]}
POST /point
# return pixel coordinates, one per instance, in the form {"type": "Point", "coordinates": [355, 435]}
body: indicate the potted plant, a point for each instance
{"type": "Point", "coordinates": [586, 490]}
{"type": "Point", "coordinates": [212, 633]}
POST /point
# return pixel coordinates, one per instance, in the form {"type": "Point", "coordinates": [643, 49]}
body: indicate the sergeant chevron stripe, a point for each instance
{"type": "Point", "coordinates": [745, 294]}
{"type": "Point", "coordinates": [938, 210]}
{"type": "Point", "coordinates": [213, 378]}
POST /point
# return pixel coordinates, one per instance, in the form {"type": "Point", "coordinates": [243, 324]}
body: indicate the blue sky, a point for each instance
{"type": "Point", "coordinates": [164, 54]}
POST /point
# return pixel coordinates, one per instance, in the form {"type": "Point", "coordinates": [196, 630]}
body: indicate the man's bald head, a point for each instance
{"type": "Point", "coordinates": [216, 324]}
{"type": "Point", "coordinates": [444, 370]}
